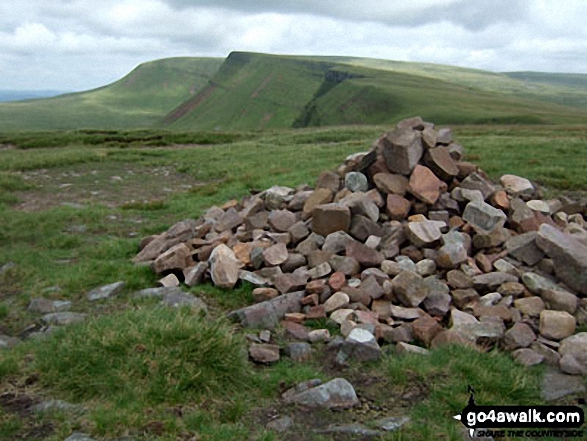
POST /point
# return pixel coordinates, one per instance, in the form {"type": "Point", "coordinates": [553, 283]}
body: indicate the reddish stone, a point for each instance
{"type": "Point", "coordinates": [441, 163]}
{"type": "Point", "coordinates": [316, 312]}
{"type": "Point", "coordinates": [294, 317]}
{"type": "Point", "coordinates": [500, 200]}
{"type": "Point", "coordinates": [329, 180]}
{"type": "Point", "coordinates": [398, 207]}
{"type": "Point", "coordinates": [391, 183]}
{"type": "Point", "coordinates": [319, 196]}
{"type": "Point", "coordinates": [465, 169]}
{"type": "Point", "coordinates": [455, 222]}
{"type": "Point", "coordinates": [330, 218]}
{"type": "Point", "coordinates": [425, 328]}
{"type": "Point", "coordinates": [337, 281]}
{"type": "Point", "coordinates": [311, 300]}
{"type": "Point", "coordinates": [296, 330]}
{"type": "Point", "coordinates": [483, 263]}
{"type": "Point", "coordinates": [425, 185]}
{"type": "Point", "coordinates": [367, 257]}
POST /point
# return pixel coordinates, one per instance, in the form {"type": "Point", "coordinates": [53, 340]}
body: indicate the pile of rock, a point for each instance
{"type": "Point", "coordinates": [406, 243]}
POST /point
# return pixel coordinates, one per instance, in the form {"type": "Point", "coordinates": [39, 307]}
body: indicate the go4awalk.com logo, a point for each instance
{"type": "Point", "coordinates": [522, 421]}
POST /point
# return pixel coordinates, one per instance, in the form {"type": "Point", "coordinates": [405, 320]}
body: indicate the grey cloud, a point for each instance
{"type": "Point", "coordinates": [470, 14]}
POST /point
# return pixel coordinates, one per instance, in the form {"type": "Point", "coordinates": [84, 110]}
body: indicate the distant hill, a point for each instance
{"type": "Point", "coordinates": [256, 91]}
{"type": "Point", "coordinates": [19, 95]}
{"type": "Point", "coordinates": [140, 99]}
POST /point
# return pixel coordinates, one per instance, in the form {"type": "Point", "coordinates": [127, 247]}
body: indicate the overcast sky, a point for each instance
{"type": "Point", "coordinates": [82, 44]}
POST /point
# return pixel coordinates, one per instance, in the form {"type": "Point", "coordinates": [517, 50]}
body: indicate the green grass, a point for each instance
{"type": "Point", "coordinates": [249, 91]}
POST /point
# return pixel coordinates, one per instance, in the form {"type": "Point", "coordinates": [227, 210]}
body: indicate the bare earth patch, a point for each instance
{"type": "Point", "coordinates": [109, 184]}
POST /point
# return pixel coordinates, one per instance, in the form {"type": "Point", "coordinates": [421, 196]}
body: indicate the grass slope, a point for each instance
{"type": "Point", "coordinates": [253, 91]}
{"type": "Point", "coordinates": [560, 88]}
{"type": "Point", "coordinates": [140, 99]}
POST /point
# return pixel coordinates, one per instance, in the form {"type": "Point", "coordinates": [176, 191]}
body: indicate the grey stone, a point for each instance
{"type": "Point", "coordinates": [7, 342]}
{"type": "Point", "coordinates": [336, 394]}
{"type": "Point", "coordinates": [527, 357]}
{"type": "Point", "coordinates": [346, 265]}
{"type": "Point", "coordinates": [264, 353]}
{"type": "Point", "coordinates": [224, 267]}
{"type": "Point", "coordinates": [282, 424]}
{"type": "Point", "coordinates": [517, 186]}
{"type": "Point", "coordinates": [437, 302]}
{"type": "Point", "coordinates": [177, 257]}
{"type": "Point", "coordinates": [426, 267]}
{"type": "Point", "coordinates": [391, 424]}
{"type": "Point", "coordinates": [409, 288]}
{"type": "Point", "coordinates": [556, 385]}
{"type": "Point", "coordinates": [105, 292]}
{"type": "Point", "coordinates": [287, 283]}
{"type": "Point", "coordinates": [519, 336]}
{"type": "Point", "coordinates": [483, 217]}
{"type": "Point", "coordinates": [228, 221]}
{"type": "Point", "coordinates": [531, 306]}
{"type": "Point", "coordinates": [336, 301]}
{"type": "Point", "coordinates": [63, 318]}
{"type": "Point", "coordinates": [362, 228]}
{"type": "Point", "coordinates": [170, 280]}
{"type": "Point", "coordinates": [556, 325]}
{"type": "Point", "coordinates": [551, 357]}
{"type": "Point", "coordinates": [253, 278]}
{"type": "Point", "coordinates": [178, 233]}
{"type": "Point", "coordinates": [159, 292]}
{"type": "Point", "coordinates": [57, 406]}
{"type": "Point", "coordinates": [78, 436]}
{"type": "Point", "coordinates": [536, 284]}
{"type": "Point", "coordinates": [492, 281]}
{"type": "Point", "coordinates": [573, 352]}
{"type": "Point", "coordinates": [195, 275]}
{"type": "Point", "coordinates": [568, 254]}
{"type": "Point", "coordinates": [402, 150]}
{"type": "Point", "coordinates": [454, 250]}
{"type": "Point", "coordinates": [281, 220]}
{"type": "Point", "coordinates": [298, 351]}
{"type": "Point", "coordinates": [268, 314]}
{"type": "Point", "coordinates": [425, 233]}
{"type": "Point", "coordinates": [45, 306]}
{"type": "Point", "coordinates": [276, 196]}
{"type": "Point", "coordinates": [275, 255]}
{"type": "Point", "coordinates": [523, 247]}
{"type": "Point", "coordinates": [362, 204]}
{"type": "Point", "coordinates": [560, 300]}
{"type": "Point", "coordinates": [180, 299]}
{"type": "Point", "coordinates": [406, 348]}
{"type": "Point", "coordinates": [336, 242]}
{"type": "Point", "coordinates": [476, 181]}
{"type": "Point", "coordinates": [311, 243]}
{"type": "Point", "coordinates": [356, 181]}
{"type": "Point", "coordinates": [360, 345]}
{"type": "Point", "coordinates": [351, 430]}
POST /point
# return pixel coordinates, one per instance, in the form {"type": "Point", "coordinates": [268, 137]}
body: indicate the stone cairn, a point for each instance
{"type": "Point", "coordinates": [405, 244]}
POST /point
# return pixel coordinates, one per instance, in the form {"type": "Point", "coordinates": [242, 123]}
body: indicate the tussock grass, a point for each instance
{"type": "Point", "coordinates": [445, 374]}
{"type": "Point", "coordinates": [149, 355]}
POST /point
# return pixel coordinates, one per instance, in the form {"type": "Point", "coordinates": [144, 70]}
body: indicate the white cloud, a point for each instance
{"type": "Point", "coordinates": [78, 44]}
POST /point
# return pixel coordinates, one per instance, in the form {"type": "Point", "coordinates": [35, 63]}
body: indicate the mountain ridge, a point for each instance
{"type": "Point", "coordinates": [255, 91]}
